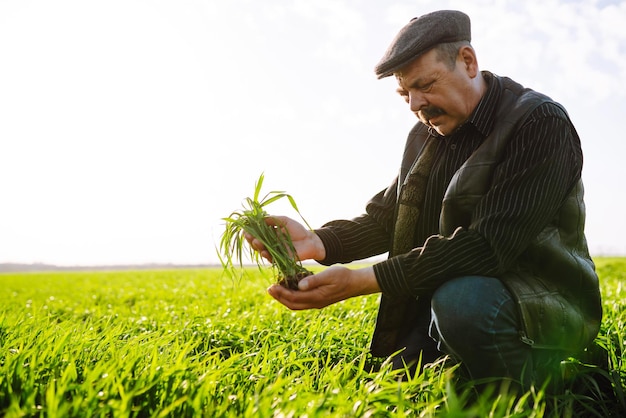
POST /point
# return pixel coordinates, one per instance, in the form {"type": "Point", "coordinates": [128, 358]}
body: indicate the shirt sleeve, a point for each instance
{"type": "Point", "coordinates": [364, 236]}
{"type": "Point", "coordinates": [542, 163]}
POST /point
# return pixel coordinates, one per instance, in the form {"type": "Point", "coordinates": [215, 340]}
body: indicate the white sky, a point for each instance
{"type": "Point", "coordinates": [129, 128]}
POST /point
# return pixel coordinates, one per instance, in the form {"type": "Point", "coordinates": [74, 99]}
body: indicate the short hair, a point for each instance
{"type": "Point", "coordinates": [447, 52]}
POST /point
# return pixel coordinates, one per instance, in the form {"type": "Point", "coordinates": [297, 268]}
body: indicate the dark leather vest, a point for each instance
{"type": "Point", "coordinates": [554, 280]}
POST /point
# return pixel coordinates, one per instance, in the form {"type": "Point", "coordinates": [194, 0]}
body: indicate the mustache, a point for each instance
{"type": "Point", "coordinates": [430, 112]}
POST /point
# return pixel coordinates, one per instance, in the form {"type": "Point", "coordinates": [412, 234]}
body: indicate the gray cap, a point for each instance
{"type": "Point", "coordinates": [421, 34]}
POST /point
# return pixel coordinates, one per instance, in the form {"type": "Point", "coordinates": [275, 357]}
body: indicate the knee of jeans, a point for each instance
{"type": "Point", "coordinates": [444, 316]}
{"type": "Point", "coordinates": [457, 307]}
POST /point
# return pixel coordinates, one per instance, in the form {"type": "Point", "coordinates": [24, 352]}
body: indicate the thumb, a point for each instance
{"type": "Point", "coordinates": [310, 282]}
{"type": "Point", "coordinates": [305, 284]}
{"type": "Point", "coordinates": [315, 280]}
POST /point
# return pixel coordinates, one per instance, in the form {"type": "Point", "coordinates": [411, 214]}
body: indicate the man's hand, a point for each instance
{"type": "Point", "coordinates": [307, 244]}
{"type": "Point", "coordinates": [327, 287]}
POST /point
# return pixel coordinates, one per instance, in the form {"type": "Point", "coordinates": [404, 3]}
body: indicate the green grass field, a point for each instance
{"type": "Point", "coordinates": [187, 343]}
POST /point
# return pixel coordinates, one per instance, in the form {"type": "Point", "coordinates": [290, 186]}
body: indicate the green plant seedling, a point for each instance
{"type": "Point", "coordinates": [252, 220]}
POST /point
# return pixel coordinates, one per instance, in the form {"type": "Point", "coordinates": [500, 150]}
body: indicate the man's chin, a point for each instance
{"type": "Point", "coordinates": [437, 127]}
{"type": "Point", "coordinates": [440, 132]}
{"type": "Point", "coordinates": [435, 123]}
{"type": "Point", "coordinates": [440, 126]}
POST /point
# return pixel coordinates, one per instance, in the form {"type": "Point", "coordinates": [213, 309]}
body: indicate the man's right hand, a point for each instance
{"type": "Point", "coordinates": [307, 244]}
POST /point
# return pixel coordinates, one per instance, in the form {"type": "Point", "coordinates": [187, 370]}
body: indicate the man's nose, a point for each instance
{"type": "Point", "coordinates": [416, 101]}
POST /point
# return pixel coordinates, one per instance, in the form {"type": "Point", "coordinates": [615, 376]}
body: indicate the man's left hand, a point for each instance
{"type": "Point", "coordinates": [332, 285]}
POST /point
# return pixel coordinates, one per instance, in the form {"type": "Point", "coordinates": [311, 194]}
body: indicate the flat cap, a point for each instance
{"type": "Point", "coordinates": [421, 34]}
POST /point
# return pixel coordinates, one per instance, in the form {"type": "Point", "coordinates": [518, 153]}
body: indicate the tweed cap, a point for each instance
{"type": "Point", "coordinates": [421, 34]}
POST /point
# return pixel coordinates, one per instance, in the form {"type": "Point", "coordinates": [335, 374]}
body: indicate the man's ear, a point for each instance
{"type": "Point", "coordinates": [467, 56]}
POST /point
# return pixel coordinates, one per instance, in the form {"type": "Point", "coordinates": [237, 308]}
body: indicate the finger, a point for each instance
{"type": "Point", "coordinates": [266, 255]}
{"type": "Point", "coordinates": [279, 293]}
{"type": "Point", "coordinates": [294, 299]}
{"type": "Point", "coordinates": [276, 220]}
{"type": "Point", "coordinates": [256, 244]}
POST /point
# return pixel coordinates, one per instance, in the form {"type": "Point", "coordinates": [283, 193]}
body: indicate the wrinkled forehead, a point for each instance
{"type": "Point", "coordinates": [418, 70]}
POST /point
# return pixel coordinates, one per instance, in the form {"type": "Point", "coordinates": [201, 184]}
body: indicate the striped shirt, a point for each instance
{"type": "Point", "coordinates": [541, 164]}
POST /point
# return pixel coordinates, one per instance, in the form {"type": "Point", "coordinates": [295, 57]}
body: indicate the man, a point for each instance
{"type": "Point", "coordinates": [488, 260]}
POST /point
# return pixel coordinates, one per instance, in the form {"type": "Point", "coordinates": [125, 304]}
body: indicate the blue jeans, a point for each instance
{"type": "Point", "coordinates": [475, 320]}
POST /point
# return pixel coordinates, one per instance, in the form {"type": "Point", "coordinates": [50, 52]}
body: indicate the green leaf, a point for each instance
{"type": "Point", "coordinates": [252, 220]}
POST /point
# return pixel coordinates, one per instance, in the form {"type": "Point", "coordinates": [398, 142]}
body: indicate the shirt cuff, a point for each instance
{"type": "Point", "coordinates": [391, 278]}
{"type": "Point", "coordinates": [332, 246]}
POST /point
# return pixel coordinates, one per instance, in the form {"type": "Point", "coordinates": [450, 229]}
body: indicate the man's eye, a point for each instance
{"type": "Point", "coordinates": [427, 86]}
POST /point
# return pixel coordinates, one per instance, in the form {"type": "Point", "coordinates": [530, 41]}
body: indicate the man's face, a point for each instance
{"type": "Point", "coordinates": [439, 96]}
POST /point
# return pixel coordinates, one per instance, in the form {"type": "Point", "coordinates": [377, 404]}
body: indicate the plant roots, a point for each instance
{"type": "Point", "coordinates": [291, 282]}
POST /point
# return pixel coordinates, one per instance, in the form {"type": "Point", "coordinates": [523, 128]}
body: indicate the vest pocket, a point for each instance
{"type": "Point", "coordinates": [548, 319]}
